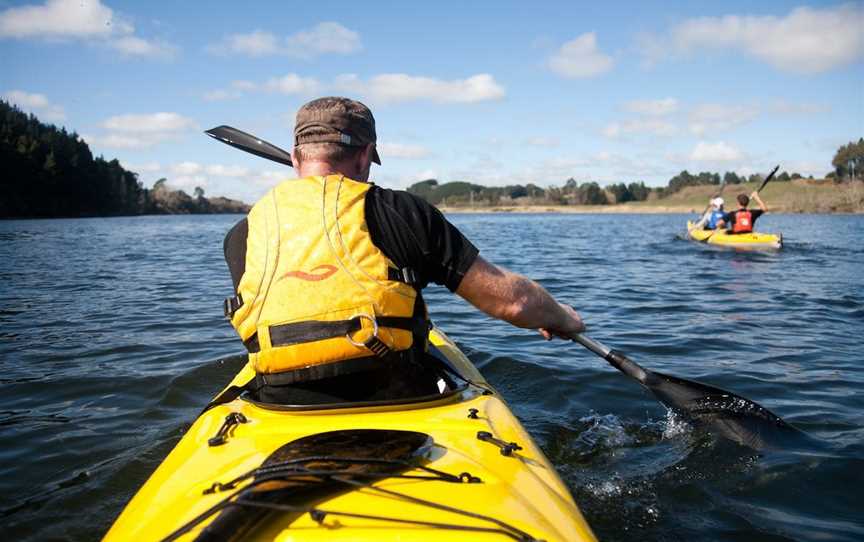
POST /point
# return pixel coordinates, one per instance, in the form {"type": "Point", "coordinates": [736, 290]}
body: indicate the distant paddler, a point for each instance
{"type": "Point", "coordinates": [743, 219]}
{"type": "Point", "coordinates": [713, 216]}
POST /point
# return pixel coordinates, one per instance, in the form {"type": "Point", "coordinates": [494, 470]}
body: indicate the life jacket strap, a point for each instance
{"type": "Point", "coordinates": [303, 332]}
{"type": "Point", "coordinates": [231, 305]}
{"type": "Point", "coordinates": [404, 274]}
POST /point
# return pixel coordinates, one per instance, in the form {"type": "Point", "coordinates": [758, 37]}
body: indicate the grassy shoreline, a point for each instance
{"type": "Point", "coordinates": [799, 196]}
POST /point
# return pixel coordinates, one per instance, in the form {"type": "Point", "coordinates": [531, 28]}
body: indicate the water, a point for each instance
{"type": "Point", "coordinates": [111, 333]}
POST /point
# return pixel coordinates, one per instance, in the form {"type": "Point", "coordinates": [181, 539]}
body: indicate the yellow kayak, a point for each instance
{"type": "Point", "coordinates": [738, 240]}
{"type": "Point", "coordinates": [455, 466]}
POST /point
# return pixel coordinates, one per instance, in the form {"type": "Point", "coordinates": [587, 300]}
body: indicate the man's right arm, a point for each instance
{"type": "Point", "coordinates": [755, 195]}
{"type": "Point", "coordinates": [518, 300]}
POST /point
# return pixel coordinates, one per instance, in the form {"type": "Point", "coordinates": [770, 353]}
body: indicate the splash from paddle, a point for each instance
{"type": "Point", "coordinates": [728, 415]}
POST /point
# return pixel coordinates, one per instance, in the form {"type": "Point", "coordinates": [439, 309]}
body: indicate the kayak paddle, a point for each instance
{"type": "Point", "coordinates": [768, 178]}
{"type": "Point", "coordinates": [249, 143]}
{"type": "Point", "coordinates": [729, 415]}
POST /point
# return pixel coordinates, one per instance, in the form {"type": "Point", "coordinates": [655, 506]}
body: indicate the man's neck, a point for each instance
{"type": "Point", "coordinates": [312, 169]}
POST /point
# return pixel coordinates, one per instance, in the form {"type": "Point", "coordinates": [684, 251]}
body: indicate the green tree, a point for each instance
{"type": "Point", "coordinates": [730, 177]}
{"type": "Point", "coordinates": [848, 161]}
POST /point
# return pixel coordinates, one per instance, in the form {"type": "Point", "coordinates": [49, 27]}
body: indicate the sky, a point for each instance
{"type": "Point", "coordinates": [493, 93]}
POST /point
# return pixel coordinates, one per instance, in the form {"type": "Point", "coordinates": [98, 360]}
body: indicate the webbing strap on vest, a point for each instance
{"type": "Point", "coordinates": [302, 332]}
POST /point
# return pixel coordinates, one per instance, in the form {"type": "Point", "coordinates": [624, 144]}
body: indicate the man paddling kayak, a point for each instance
{"type": "Point", "coordinates": [328, 271]}
{"type": "Point", "coordinates": [743, 219]}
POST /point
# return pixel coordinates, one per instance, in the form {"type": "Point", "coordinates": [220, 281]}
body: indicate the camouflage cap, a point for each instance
{"type": "Point", "coordinates": [336, 120]}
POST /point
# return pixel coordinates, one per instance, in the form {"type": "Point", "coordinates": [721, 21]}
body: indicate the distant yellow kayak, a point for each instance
{"type": "Point", "coordinates": [753, 240]}
{"type": "Point", "coordinates": [452, 467]}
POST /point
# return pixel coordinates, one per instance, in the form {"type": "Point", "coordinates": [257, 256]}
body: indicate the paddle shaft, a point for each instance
{"type": "Point", "coordinates": [613, 357]}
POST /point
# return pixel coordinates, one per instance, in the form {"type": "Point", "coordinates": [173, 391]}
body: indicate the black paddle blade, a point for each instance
{"type": "Point", "coordinates": [725, 413]}
{"type": "Point", "coordinates": [249, 143]}
{"type": "Point", "coordinates": [295, 476]}
{"type": "Point", "coordinates": [768, 178]}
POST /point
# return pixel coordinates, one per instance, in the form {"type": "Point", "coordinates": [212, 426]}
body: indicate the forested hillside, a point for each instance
{"type": "Point", "coordinates": [49, 172]}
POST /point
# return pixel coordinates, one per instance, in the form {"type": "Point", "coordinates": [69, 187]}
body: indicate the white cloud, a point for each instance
{"type": "Point", "coordinates": [640, 126]}
{"type": "Point", "coordinates": [385, 88]}
{"type": "Point", "coordinates": [401, 150]}
{"type": "Point", "coordinates": [218, 170]}
{"type": "Point", "coordinates": [188, 182]}
{"type": "Point", "coordinates": [61, 18]}
{"type": "Point", "coordinates": [149, 123]}
{"type": "Point", "coordinates": [805, 41]}
{"type": "Point", "coordinates": [400, 87]}
{"type": "Point", "coordinates": [149, 167]}
{"type": "Point", "coordinates": [324, 38]}
{"type": "Point", "coordinates": [79, 19]}
{"type": "Point", "coordinates": [220, 94]}
{"type": "Point", "coordinates": [38, 104]}
{"type": "Point", "coordinates": [256, 43]}
{"type": "Point", "coordinates": [788, 108]}
{"type": "Point", "coordinates": [580, 58]}
{"type": "Point", "coordinates": [135, 46]}
{"type": "Point", "coordinates": [141, 131]}
{"type": "Point", "coordinates": [715, 152]}
{"type": "Point", "coordinates": [546, 142]}
{"type": "Point", "coordinates": [186, 168]}
{"type": "Point", "coordinates": [237, 90]}
{"type": "Point", "coordinates": [121, 141]}
{"type": "Point", "coordinates": [718, 117]}
{"type": "Point", "coordinates": [292, 84]}
{"type": "Point", "coordinates": [654, 108]}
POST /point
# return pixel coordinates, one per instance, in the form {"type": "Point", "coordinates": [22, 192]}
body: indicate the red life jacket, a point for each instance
{"type": "Point", "coordinates": [743, 222]}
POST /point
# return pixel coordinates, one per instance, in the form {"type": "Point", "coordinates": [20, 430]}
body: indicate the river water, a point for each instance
{"type": "Point", "coordinates": [111, 334]}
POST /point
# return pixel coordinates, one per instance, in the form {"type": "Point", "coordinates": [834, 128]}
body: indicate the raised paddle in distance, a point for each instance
{"type": "Point", "coordinates": [249, 143]}
{"type": "Point", "coordinates": [727, 414]}
{"type": "Point", "coordinates": [768, 178]}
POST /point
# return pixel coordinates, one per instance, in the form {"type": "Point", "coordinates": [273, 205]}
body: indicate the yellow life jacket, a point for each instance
{"type": "Point", "coordinates": [315, 289]}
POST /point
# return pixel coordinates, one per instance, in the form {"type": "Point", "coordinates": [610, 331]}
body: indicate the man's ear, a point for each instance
{"type": "Point", "coordinates": [294, 160]}
{"type": "Point", "coordinates": [367, 152]}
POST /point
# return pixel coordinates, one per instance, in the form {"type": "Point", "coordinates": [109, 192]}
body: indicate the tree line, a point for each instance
{"type": "Point", "coordinates": [49, 172]}
{"type": "Point", "coordinates": [848, 163]}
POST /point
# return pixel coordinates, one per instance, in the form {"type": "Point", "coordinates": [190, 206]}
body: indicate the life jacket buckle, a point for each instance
{"type": "Point", "coordinates": [360, 318]}
{"type": "Point", "coordinates": [231, 305]}
{"type": "Point", "coordinates": [408, 275]}
{"type": "Point", "coordinates": [373, 343]}
{"type": "Point", "coordinates": [403, 274]}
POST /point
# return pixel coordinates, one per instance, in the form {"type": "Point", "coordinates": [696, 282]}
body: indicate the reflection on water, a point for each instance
{"type": "Point", "coordinates": [112, 338]}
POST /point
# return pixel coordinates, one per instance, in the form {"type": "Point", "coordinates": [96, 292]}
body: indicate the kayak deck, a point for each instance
{"type": "Point", "coordinates": [753, 240]}
{"type": "Point", "coordinates": [518, 491]}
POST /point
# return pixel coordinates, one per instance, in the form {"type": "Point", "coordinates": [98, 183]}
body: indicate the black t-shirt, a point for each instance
{"type": "Point", "coordinates": [729, 218]}
{"type": "Point", "coordinates": [406, 228]}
